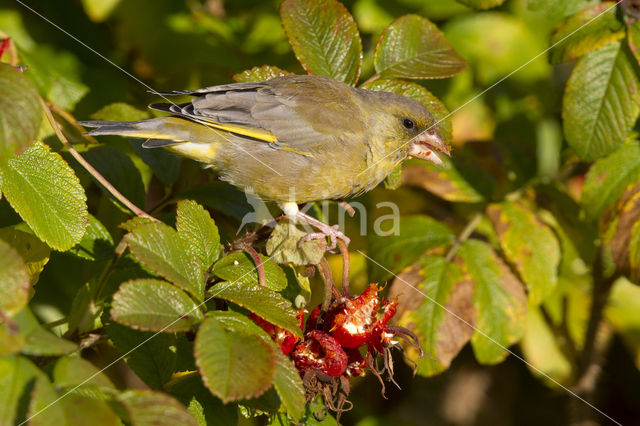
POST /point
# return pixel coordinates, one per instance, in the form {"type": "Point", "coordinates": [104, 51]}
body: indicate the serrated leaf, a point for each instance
{"type": "Point", "coordinates": [608, 178]}
{"type": "Point", "coordinates": [16, 375]}
{"type": "Point", "coordinates": [324, 38]}
{"type": "Point", "coordinates": [260, 300]}
{"type": "Point", "coordinates": [198, 231]}
{"type": "Point", "coordinates": [118, 169]}
{"type": "Point", "coordinates": [154, 361]}
{"type": "Point", "coordinates": [20, 113]}
{"type": "Point", "coordinates": [150, 408]}
{"type": "Point", "coordinates": [530, 245]}
{"type": "Point", "coordinates": [154, 305]}
{"type": "Point", "coordinates": [14, 276]}
{"type": "Point", "coordinates": [159, 248]}
{"type": "Point", "coordinates": [557, 9]}
{"type": "Point", "coordinates": [78, 408]}
{"type": "Point", "coordinates": [46, 193]}
{"type": "Point", "coordinates": [413, 47]}
{"type": "Point", "coordinates": [587, 30]}
{"type": "Point", "coordinates": [415, 235]}
{"type": "Point", "coordinates": [221, 197]}
{"type": "Point", "coordinates": [287, 380]}
{"type": "Point", "coordinates": [620, 227]}
{"type": "Point", "coordinates": [445, 182]}
{"type": "Point", "coordinates": [39, 341]}
{"type": "Point", "coordinates": [263, 73]}
{"type": "Point", "coordinates": [601, 102]}
{"type": "Point", "coordinates": [69, 372]}
{"type": "Point", "coordinates": [96, 244]}
{"type": "Point", "coordinates": [499, 301]}
{"type": "Point", "coordinates": [34, 252]}
{"type": "Point", "coordinates": [240, 268]}
{"type": "Point", "coordinates": [415, 91]}
{"type": "Point", "coordinates": [284, 245]}
{"type": "Point", "coordinates": [233, 365]}
{"type": "Point", "coordinates": [441, 334]}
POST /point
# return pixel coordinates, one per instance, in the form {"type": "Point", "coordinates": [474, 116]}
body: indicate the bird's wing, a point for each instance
{"type": "Point", "coordinates": [297, 114]}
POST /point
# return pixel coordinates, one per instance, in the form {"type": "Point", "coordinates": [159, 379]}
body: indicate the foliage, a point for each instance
{"type": "Point", "coordinates": [527, 240]}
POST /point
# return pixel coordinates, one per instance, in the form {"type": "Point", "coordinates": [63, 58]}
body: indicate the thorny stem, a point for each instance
{"type": "Point", "coordinates": [464, 235]}
{"type": "Point", "coordinates": [329, 289]}
{"type": "Point", "coordinates": [89, 168]}
{"type": "Point", "coordinates": [262, 279]}
{"type": "Point", "coordinates": [345, 267]}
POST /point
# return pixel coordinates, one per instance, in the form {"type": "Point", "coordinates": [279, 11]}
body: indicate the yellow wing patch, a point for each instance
{"type": "Point", "coordinates": [252, 132]}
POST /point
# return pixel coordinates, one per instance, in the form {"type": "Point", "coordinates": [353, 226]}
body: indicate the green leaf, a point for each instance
{"type": "Point", "coordinates": [496, 44]}
{"type": "Point", "coordinates": [43, 398]}
{"type": "Point", "coordinates": [146, 407]}
{"type": "Point", "coordinates": [263, 73]}
{"type": "Point", "coordinates": [481, 4]}
{"type": "Point", "coordinates": [198, 231]}
{"type": "Point", "coordinates": [557, 9]}
{"type": "Point", "coordinates": [154, 305]}
{"type": "Point", "coordinates": [394, 251]}
{"type": "Point", "coordinates": [413, 47]}
{"type": "Point", "coordinates": [38, 340]}
{"type": "Point", "coordinates": [284, 245]}
{"type": "Point", "coordinates": [415, 91]}
{"type": "Point", "coordinates": [154, 361]}
{"type": "Point", "coordinates": [14, 276]}
{"type": "Point", "coordinates": [99, 10]}
{"type": "Point", "coordinates": [55, 74]}
{"type": "Point", "coordinates": [608, 178]}
{"type": "Point", "coordinates": [233, 365]}
{"type": "Point", "coordinates": [260, 300]}
{"type": "Point", "coordinates": [120, 111]}
{"type": "Point", "coordinates": [499, 300]}
{"type": "Point", "coordinates": [20, 113]}
{"type": "Point", "coordinates": [159, 248]}
{"type": "Point", "coordinates": [633, 39]}
{"type": "Point", "coordinates": [46, 193]}
{"type": "Point", "coordinates": [530, 245]}
{"type": "Point", "coordinates": [587, 30]}
{"type": "Point", "coordinates": [445, 181]}
{"type": "Point", "coordinates": [441, 334]}
{"type": "Point", "coordinates": [17, 375]}
{"type": "Point", "coordinates": [324, 37]}
{"type": "Point", "coordinates": [240, 269]}
{"type": "Point", "coordinates": [287, 380]}
{"type": "Point", "coordinates": [96, 244]}
{"type": "Point", "coordinates": [118, 169]}
{"type": "Point", "coordinates": [70, 372]}
{"type": "Point", "coordinates": [601, 102]}
{"type": "Point", "coordinates": [540, 349]}
{"type": "Point", "coordinates": [79, 408]}
{"type": "Point", "coordinates": [622, 313]}
{"type": "Point", "coordinates": [394, 179]}
{"type": "Point", "coordinates": [33, 251]}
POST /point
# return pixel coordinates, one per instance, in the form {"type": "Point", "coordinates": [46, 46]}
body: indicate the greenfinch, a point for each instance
{"type": "Point", "coordinates": [291, 139]}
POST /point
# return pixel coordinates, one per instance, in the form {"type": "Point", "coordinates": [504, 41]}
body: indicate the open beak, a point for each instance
{"type": "Point", "coordinates": [425, 146]}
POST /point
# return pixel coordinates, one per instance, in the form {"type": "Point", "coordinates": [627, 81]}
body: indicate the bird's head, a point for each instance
{"type": "Point", "coordinates": [408, 130]}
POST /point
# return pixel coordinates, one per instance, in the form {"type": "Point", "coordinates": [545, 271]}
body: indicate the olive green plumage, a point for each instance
{"type": "Point", "coordinates": [292, 138]}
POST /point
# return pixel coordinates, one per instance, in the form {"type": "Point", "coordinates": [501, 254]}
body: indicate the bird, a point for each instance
{"type": "Point", "coordinates": [292, 139]}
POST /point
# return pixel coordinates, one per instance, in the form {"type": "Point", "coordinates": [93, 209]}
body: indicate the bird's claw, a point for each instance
{"type": "Point", "coordinates": [332, 232]}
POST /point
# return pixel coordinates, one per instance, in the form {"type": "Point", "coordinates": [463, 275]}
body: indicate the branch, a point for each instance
{"type": "Point", "coordinates": [89, 168]}
{"type": "Point", "coordinates": [464, 235]}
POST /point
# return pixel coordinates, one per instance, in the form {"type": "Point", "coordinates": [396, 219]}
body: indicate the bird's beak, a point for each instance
{"type": "Point", "coordinates": [425, 145]}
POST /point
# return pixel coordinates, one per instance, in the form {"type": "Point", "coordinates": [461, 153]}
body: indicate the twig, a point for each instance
{"type": "Point", "coordinates": [329, 288]}
{"type": "Point", "coordinates": [89, 168]}
{"type": "Point", "coordinates": [262, 279]}
{"type": "Point", "coordinates": [464, 235]}
{"type": "Point", "coordinates": [371, 79]}
{"type": "Point", "coordinates": [346, 264]}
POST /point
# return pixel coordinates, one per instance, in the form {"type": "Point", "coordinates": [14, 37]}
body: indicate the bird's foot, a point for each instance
{"type": "Point", "coordinates": [331, 232]}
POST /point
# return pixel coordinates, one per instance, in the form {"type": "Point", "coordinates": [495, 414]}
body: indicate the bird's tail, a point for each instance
{"type": "Point", "coordinates": [169, 129]}
{"type": "Point", "coordinates": [180, 135]}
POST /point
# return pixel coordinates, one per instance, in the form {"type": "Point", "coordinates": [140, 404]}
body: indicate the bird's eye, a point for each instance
{"type": "Point", "coordinates": [408, 123]}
